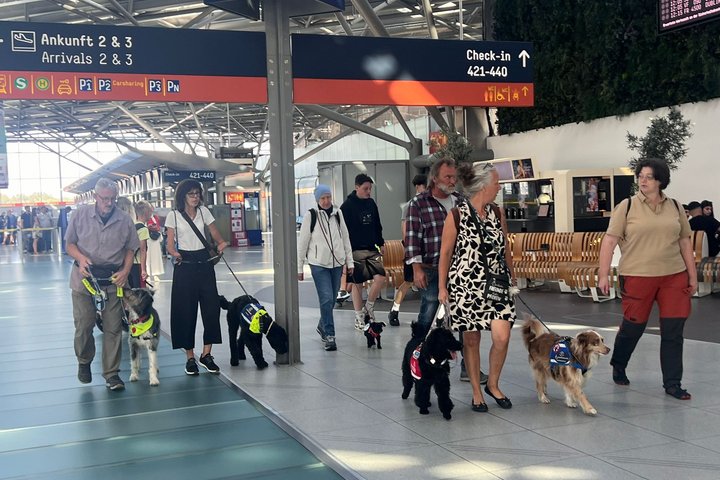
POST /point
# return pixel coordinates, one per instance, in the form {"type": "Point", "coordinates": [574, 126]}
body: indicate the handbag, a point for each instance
{"type": "Point", "coordinates": [214, 255]}
{"type": "Point", "coordinates": [497, 285]}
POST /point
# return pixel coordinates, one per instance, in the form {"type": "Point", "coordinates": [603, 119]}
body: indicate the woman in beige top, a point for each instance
{"type": "Point", "coordinates": [657, 265]}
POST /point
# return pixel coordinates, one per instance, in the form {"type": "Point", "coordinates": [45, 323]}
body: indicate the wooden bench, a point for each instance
{"type": "Point", "coordinates": [394, 262]}
{"type": "Point", "coordinates": [581, 273]}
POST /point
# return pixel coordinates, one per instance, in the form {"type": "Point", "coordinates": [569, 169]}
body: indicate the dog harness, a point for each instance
{"type": "Point", "coordinates": [252, 313]}
{"type": "Point", "coordinates": [415, 363]}
{"type": "Point", "coordinates": [561, 356]}
{"type": "Point", "coordinates": [141, 325]}
{"type": "Point", "coordinates": [99, 295]}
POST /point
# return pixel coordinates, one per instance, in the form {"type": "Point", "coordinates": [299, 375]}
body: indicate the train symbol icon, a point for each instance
{"type": "Point", "coordinates": [23, 40]}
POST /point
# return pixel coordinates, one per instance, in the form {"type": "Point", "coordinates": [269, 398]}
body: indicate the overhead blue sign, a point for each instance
{"type": "Point", "coordinates": [406, 71]}
{"type": "Point", "coordinates": [51, 47]}
{"type": "Point", "coordinates": [179, 175]}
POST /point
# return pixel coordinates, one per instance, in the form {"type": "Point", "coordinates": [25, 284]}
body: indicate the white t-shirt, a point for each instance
{"type": "Point", "coordinates": [184, 235]}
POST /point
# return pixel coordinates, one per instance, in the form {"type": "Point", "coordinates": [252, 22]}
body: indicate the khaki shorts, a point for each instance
{"type": "Point", "coordinates": [368, 263]}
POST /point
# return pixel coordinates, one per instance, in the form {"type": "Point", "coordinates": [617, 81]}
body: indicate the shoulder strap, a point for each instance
{"type": "Point", "coordinates": [313, 219]}
{"type": "Point", "coordinates": [314, 216]}
{"type": "Point", "coordinates": [139, 225]}
{"type": "Point", "coordinates": [676, 205]}
{"type": "Point", "coordinates": [456, 217]}
{"type": "Point", "coordinates": [195, 229]}
{"type": "Point", "coordinates": [628, 207]}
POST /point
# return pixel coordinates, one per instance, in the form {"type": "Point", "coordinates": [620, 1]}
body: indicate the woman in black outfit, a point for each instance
{"type": "Point", "coordinates": [193, 277]}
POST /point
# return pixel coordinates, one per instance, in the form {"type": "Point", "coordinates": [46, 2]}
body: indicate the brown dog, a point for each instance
{"type": "Point", "coordinates": [571, 366]}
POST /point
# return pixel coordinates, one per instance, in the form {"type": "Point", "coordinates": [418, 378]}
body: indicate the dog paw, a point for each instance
{"type": "Point", "coordinates": [424, 411]}
{"type": "Point", "coordinates": [405, 395]}
{"type": "Point", "coordinates": [134, 377]}
{"type": "Point", "coordinates": [379, 347]}
{"type": "Point", "coordinates": [571, 404]}
{"type": "Point", "coordinates": [154, 382]}
{"type": "Point", "coordinates": [262, 366]}
{"type": "Point", "coordinates": [543, 398]}
{"type": "Point", "coordinates": [447, 416]}
{"type": "Point", "coordinates": [234, 363]}
{"type": "Point", "coordinates": [591, 411]}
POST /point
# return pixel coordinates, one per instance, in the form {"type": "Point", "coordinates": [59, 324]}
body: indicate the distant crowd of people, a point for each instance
{"type": "Point", "coordinates": [702, 217]}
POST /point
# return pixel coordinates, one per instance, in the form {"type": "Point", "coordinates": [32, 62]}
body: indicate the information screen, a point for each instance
{"type": "Point", "coordinates": [673, 14]}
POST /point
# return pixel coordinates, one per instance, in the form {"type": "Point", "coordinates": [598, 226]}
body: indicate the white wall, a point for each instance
{"type": "Point", "coordinates": [602, 144]}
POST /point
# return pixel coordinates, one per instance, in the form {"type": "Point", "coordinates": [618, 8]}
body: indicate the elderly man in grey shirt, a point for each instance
{"type": "Point", "coordinates": [102, 240]}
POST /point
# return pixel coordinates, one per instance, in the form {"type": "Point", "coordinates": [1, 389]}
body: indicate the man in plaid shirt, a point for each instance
{"type": "Point", "coordinates": [423, 233]}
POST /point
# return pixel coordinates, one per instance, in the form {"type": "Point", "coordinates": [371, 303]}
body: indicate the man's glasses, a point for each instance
{"type": "Point", "coordinates": [193, 194]}
{"type": "Point", "coordinates": [106, 199]}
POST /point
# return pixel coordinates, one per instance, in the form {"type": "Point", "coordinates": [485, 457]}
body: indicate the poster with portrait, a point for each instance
{"type": "Point", "coordinates": [523, 169]}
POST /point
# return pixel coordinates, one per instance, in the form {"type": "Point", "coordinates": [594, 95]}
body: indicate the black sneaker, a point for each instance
{"type": "Point", "coordinates": [191, 367]}
{"type": "Point", "coordinates": [321, 332]}
{"type": "Point", "coordinates": [114, 383]}
{"type": "Point", "coordinates": [209, 364]}
{"type": "Point", "coordinates": [393, 318]}
{"type": "Point", "coordinates": [330, 345]}
{"type": "Point", "coordinates": [84, 373]}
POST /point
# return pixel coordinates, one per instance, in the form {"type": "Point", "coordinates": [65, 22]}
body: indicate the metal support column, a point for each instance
{"type": "Point", "coordinates": [282, 170]}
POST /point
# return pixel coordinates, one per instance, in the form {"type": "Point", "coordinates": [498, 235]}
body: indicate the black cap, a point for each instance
{"type": "Point", "coordinates": [693, 205]}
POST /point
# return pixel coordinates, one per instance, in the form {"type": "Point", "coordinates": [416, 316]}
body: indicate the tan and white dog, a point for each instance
{"type": "Point", "coordinates": [567, 360]}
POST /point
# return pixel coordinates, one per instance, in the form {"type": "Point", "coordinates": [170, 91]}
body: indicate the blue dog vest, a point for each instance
{"type": "Point", "coordinates": [560, 355]}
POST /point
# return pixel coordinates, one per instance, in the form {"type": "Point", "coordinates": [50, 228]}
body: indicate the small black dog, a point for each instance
{"type": "Point", "coordinates": [372, 333]}
{"type": "Point", "coordinates": [144, 331]}
{"type": "Point", "coordinates": [250, 318]}
{"type": "Point", "coordinates": [425, 363]}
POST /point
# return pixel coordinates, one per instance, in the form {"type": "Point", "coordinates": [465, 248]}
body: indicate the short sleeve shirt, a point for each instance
{"type": "Point", "coordinates": [184, 235]}
{"type": "Point", "coordinates": [143, 234]}
{"type": "Point", "coordinates": [103, 243]}
{"type": "Point", "coordinates": [649, 238]}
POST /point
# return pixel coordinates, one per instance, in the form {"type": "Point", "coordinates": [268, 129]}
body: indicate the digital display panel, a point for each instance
{"type": "Point", "coordinates": [674, 14]}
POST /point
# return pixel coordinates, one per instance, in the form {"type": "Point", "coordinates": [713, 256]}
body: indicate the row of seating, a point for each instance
{"type": "Point", "coordinates": [570, 258]}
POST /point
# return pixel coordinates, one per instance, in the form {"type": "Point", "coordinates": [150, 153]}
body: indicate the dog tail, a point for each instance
{"type": "Point", "coordinates": [224, 304]}
{"type": "Point", "coordinates": [531, 330]}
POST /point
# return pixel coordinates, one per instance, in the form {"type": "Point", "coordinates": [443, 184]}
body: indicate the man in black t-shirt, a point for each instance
{"type": "Point", "coordinates": [363, 223]}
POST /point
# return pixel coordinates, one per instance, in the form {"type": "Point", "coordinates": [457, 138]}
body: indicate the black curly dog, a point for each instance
{"type": "Point", "coordinates": [372, 332]}
{"type": "Point", "coordinates": [436, 350]}
{"type": "Point", "coordinates": [276, 335]}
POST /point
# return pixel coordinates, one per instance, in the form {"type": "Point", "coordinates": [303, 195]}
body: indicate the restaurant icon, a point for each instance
{"type": "Point", "coordinates": [23, 41]}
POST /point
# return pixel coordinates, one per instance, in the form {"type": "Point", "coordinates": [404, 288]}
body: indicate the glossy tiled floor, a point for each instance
{"type": "Point", "coordinates": [347, 403]}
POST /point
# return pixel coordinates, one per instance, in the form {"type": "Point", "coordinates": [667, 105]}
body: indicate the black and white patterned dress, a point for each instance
{"type": "Point", "coordinates": [466, 277]}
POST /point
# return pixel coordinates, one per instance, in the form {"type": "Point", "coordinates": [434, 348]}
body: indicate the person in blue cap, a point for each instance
{"type": "Point", "coordinates": [324, 244]}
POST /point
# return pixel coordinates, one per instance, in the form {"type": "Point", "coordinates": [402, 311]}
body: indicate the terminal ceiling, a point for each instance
{"type": "Point", "coordinates": [78, 122]}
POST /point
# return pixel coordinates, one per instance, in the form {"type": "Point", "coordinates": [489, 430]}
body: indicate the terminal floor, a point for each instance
{"type": "Point", "coordinates": [344, 406]}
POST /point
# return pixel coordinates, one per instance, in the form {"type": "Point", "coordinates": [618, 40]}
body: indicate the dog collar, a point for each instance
{"type": "Point", "coordinates": [561, 356]}
{"type": "Point", "coordinates": [141, 325]}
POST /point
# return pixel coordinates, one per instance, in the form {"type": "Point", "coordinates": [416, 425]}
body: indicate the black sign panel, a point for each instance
{"type": "Point", "coordinates": [199, 175]}
{"type": "Point", "coordinates": [51, 47]}
{"type": "Point", "coordinates": [674, 14]}
{"type": "Point", "coordinates": [406, 71]}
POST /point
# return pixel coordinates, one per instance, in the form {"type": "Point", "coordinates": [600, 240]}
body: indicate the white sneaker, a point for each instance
{"type": "Point", "coordinates": [369, 313]}
{"type": "Point", "coordinates": [360, 321]}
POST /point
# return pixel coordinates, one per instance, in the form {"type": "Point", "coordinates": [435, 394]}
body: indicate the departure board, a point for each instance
{"type": "Point", "coordinates": [674, 14]}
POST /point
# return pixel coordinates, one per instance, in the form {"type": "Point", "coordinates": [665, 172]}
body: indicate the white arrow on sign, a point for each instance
{"type": "Point", "coordinates": [524, 56]}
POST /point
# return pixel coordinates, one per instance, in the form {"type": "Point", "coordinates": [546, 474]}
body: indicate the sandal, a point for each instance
{"type": "Point", "coordinates": [677, 392]}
